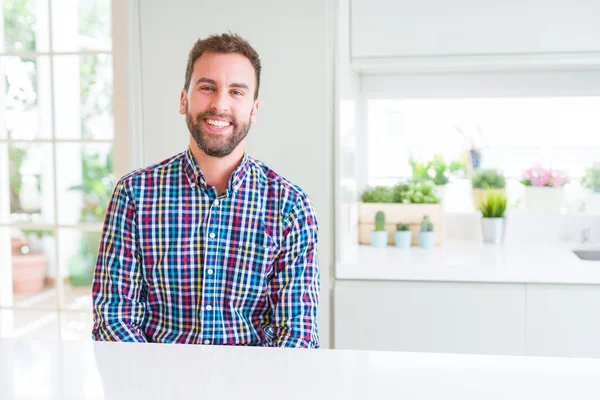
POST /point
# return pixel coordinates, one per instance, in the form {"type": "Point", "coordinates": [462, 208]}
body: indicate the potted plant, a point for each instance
{"type": "Point", "coordinates": [487, 181]}
{"type": "Point", "coordinates": [403, 236]}
{"type": "Point", "coordinates": [28, 266]}
{"type": "Point", "coordinates": [591, 181]}
{"type": "Point", "coordinates": [427, 234]}
{"type": "Point", "coordinates": [493, 221]}
{"type": "Point", "coordinates": [544, 188]}
{"type": "Point", "coordinates": [404, 203]}
{"type": "Point", "coordinates": [438, 171]}
{"type": "Point", "coordinates": [379, 237]}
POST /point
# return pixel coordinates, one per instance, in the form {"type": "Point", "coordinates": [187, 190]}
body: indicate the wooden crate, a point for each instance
{"type": "Point", "coordinates": [409, 214]}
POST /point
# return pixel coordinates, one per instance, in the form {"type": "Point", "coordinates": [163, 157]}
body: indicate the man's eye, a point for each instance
{"type": "Point", "coordinates": [208, 88]}
{"type": "Point", "coordinates": [236, 92]}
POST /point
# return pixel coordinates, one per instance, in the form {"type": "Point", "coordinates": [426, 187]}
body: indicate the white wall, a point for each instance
{"type": "Point", "coordinates": [294, 131]}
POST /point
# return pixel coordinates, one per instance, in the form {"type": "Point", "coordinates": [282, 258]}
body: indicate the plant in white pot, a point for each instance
{"type": "Point", "coordinates": [591, 181]}
{"type": "Point", "coordinates": [493, 221]}
{"type": "Point", "coordinates": [544, 188]}
{"type": "Point", "coordinates": [379, 237]}
{"type": "Point", "coordinates": [427, 234]}
{"type": "Point", "coordinates": [403, 236]}
{"type": "Point", "coordinates": [487, 181]}
{"type": "Point", "coordinates": [438, 171]}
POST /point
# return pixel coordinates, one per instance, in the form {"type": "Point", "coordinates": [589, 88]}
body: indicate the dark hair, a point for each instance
{"type": "Point", "coordinates": [225, 43]}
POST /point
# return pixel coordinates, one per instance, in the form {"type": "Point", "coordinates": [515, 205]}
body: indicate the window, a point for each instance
{"type": "Point", "coordinates": [512, 134]}
{"type": "Point", "coordinates": [56, 161]}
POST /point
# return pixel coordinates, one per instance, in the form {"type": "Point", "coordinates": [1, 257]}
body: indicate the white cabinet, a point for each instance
{"type": "Point", "coordinates": [481, 318]}
{"type": "Point", "coordinates": [406, 28]}
{"type": "Point", "coordinates": [430, 317]}
{"type": "Point", "coordinates": [563, 320]}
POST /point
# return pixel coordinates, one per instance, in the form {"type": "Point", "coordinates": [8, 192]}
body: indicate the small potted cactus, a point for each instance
{"type": "Point", "coordinates": [379, 237]}
{"type": "Point", "coordinates": [427, 234]}
{"type": "Point", "coordinates": [403, 236]}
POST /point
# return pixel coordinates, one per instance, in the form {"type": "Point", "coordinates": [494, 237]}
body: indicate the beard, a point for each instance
{"type": "Point", "coordinates": [216, 144]}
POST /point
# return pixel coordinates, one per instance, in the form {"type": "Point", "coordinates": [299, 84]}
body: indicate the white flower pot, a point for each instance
{"type": "Point", "coordinates": [493, 230]}
{"type": "Point", "coordinates": [544, 198]}
{"type": "Point", "coordinates": [592, 202]}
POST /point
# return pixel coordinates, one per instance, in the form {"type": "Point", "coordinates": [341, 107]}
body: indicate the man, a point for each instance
{"type": "Point", "coordinates": [210, 246]}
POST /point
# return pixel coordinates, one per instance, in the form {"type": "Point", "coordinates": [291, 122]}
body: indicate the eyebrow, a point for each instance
{"type": "Point", "coordinates": [213, 82]}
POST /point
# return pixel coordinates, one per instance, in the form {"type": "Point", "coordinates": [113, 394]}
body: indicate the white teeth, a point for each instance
{"type": "Point", "coordinates": [218, 124]}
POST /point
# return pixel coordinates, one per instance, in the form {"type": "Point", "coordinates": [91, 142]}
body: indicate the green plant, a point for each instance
{"type": "Point", "coordinates": [436, 169]}
{"type": "Point", "coordinates": [426, 224]}
{"type": "Point", "coordinates": [416, 192]}
{"type": "Point", "coordinates": [380, 221]}
{"type": "Point", "coordinates": [16, 156]}
{"type": "Point", "coordinates": [488, 179]}
{"type": "Point", "coordinates": [402, 227]}
{"type": "Point", "coordinates": [493, 206]}
{"type": "Point", "coordinates": [97, 185]}
{"type": "Point", "coordinates": [379, 194]}
{"type": "Point", "coordinates": [591, 178]}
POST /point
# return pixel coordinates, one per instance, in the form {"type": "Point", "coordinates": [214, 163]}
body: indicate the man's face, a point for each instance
{"type": "Point", "coordinates": [219, 105]}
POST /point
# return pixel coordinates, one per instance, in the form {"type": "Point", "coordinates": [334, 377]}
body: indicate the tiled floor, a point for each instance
{"type": "Point", "coordinates": [37, 316]}
{"type": "Point", "coordinates": [37, 324]}
{"type": "Point", "coordinates": [75, 298]}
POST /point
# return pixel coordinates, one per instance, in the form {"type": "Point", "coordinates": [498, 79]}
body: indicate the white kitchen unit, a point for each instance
{"type": "Point", "coordinates": [469, 298]}
{"type": "Point", "coordinates": [475, 318]}
{"type": "Point", "coordinates": [563, 320]}
{"type": "Point", "coordinates": [436, 28]}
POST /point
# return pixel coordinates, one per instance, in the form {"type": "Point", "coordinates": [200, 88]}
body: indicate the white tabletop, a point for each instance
{"type": "Point", "coordinates": [88, 370]}
{"type": "Point", "coordinates": [472, 262]}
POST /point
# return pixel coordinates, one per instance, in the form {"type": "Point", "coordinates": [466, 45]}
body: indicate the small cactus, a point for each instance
{"type": "Point", "coordinates": [426, 224]}
{"type": "Point", "coordinates": [380, 221]}
{"type": "Point", "coordinates": [402, 227]}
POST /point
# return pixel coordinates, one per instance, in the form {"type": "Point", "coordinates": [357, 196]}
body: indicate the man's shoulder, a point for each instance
{"type": "Point", "coordinates": [139, 175]}
{"type": "Point", "coordinates": [277, 182]}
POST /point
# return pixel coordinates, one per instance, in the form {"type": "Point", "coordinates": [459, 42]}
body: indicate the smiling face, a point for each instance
{"type": "Point", "coordinates": [219, 104]}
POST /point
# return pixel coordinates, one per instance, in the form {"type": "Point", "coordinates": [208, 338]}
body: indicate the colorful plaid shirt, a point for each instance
{"type": "Point", "coordinates": [180, 264]}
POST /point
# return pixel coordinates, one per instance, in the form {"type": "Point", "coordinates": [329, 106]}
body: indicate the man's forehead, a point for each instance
{"type": "Point", "coordinates": [224, 66]}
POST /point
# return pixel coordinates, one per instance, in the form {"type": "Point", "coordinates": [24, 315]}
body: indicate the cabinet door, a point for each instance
{"type": "Point", "coordinates": [425, 28]}
{"type": "Point", "coordinates": [563, 320]}
{"type": "Point", "coordinates": [441, 317]}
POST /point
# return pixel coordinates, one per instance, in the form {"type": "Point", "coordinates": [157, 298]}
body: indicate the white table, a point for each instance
{"type": "Point", "coordinates": [87, 370]}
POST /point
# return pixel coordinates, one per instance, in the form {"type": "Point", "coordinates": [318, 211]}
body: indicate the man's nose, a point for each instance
{"type": "Point", "coordinates": [220, 102]}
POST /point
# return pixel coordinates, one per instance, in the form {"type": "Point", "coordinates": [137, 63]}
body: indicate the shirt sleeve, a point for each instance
{"type": "Point", "coordinates": [294, 288]}
{"type": "Point", "coordinates": [118, 306]}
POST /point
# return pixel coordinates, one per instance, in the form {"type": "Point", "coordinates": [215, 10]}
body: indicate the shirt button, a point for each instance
{"type": "Point", "coordinates": [207, 342]}
{"type": "Point", "coordinates": [216, 203]}
{"type": "Point", "coordinates": [210, 271]}
{"type": "Point", "coordinates": [208, 308]}
{"type": "Point", "coordinates": [212, 235]}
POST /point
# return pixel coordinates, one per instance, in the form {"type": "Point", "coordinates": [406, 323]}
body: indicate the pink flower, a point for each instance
{"type": "Point", "coordinates": [528, 174]}
{"type": "Point", "coordinates": [540, 181]}
{"type": "Point", "coordinates": [559, 178]}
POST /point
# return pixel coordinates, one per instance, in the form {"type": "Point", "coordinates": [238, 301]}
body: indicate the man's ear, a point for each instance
{"type": "Point", "coordinates": [254, 112]}
{"type": "Point", "coordinates": [182, 103]}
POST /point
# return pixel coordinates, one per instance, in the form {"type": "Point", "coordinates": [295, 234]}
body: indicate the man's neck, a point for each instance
{"type": "Point", "coordinates": [217, 171]}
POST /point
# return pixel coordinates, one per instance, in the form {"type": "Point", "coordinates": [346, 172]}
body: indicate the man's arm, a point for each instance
{"type": "Point", "coordinates": [294, 288]}
{"type": "Point", "coordinates": [118, 308]}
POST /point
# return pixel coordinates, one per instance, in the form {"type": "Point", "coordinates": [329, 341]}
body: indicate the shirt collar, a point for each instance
{"type": "Point", "coordinates": [194, 173]}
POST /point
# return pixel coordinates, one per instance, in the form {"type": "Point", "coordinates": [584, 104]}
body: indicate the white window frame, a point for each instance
{"type": "Point", "coordinates": [127, 143]}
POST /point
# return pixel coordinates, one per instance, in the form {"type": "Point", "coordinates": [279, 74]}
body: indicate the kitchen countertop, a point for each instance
{"type": "Point", "coordinates": [88, 370]}
{"type": "Point", "coordinates": [471, 262]}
